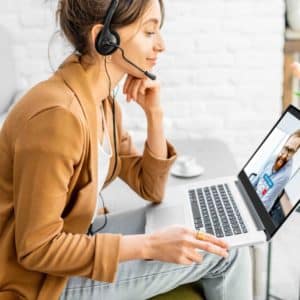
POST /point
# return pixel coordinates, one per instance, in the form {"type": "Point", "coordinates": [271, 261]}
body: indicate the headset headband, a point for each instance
{"type": "Point", "coordinates": [112, 8]}
{"type": "Point", "coordinates": [107, 41]}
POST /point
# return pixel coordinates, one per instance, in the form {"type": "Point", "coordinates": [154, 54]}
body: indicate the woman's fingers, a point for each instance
{"type": "Point", "coordinates": [133, 88]}
{"type": "Point", "coordinates": [208, 247]}
{"type": "Point", "coordinates": [126, 84]}
{"type": "Point", "coordinates": [130, 88]}
{"type": "Point", "coordinates": [208, 243]}
{"type": "Point", "coordinates": [136, 88]}
{"type": "Point", "coordinates": [203, 236]}
{"type": "Point", "coordinates": [214, 240]}
{"type": "Point", "coordinates": [195, 256]}
{"type": "Point", "coordinates": [185, 261]}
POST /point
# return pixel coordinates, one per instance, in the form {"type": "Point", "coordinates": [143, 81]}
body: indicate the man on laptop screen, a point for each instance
{"type": "Point", "coordinates": [275, 173]}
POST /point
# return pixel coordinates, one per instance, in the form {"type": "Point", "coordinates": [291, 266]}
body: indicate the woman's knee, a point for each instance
{"type": "Point", "coordinates": [217, 265]}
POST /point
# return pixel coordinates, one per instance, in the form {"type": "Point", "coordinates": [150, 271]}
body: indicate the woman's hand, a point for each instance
{"type": "Point", "coordinates": [145, 92]}
{"type": "Point", "coordinates": [178, 244]}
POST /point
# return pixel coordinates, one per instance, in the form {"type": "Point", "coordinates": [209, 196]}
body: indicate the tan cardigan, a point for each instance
{"type": "Point", "coordinates": [48, 176]}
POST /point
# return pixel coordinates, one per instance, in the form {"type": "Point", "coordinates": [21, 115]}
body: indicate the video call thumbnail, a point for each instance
{"type": "Point", "coordinates": [275, 169]}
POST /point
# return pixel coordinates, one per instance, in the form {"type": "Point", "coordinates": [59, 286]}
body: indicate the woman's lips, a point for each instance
{"type": "Point", "coordinates": [152, 61]}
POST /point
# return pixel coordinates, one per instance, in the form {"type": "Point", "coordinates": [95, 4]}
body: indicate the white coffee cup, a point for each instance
{"type": "Point", "coordinates": [185, 163]}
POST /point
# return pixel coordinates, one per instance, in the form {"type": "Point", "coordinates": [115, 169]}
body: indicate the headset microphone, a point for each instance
{"type": "Point", "coordinates": [148, 74]}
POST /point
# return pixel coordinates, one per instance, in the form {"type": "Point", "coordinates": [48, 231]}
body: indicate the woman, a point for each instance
{"type": "Point", "coordinates": [59, 148]}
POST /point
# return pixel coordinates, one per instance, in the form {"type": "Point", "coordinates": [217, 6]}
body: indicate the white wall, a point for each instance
{"type": "Point", "coordinates": [221, 73]}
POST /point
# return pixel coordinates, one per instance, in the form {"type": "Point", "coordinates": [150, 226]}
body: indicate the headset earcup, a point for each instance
{"type": "Point", "coordinates": [105, 44]}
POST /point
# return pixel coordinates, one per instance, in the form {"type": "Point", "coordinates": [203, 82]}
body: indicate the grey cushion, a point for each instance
{"type": "Point", "coordinates": [2, 118]}
{"type": "Point", "coordinates": [7, 71]}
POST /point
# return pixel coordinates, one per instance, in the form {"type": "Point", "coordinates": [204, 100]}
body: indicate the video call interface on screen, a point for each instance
{"type": "Point", "coordinates": [275, 169]}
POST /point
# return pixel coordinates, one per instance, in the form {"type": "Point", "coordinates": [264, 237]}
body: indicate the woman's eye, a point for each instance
{"type": "Point", "coordinates": [150, 33]}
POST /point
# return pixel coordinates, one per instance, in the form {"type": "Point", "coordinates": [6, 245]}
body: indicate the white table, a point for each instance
{"type": "Point", "coordinates": [214, 155]}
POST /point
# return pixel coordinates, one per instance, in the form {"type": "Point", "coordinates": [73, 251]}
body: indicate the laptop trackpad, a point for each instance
{"type": "Point", "coordinates": [160, 217]}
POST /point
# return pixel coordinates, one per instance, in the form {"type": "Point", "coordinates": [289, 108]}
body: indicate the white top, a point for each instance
{"type": "Point", "coordinates": [104, 155]}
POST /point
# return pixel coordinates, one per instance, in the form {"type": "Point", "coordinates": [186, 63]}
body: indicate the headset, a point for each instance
{"type": "Point", "coordinates": [106, 43]}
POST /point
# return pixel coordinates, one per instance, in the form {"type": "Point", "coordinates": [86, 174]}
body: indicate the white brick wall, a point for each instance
{"type": "Point", "coordinates": [221, 73]}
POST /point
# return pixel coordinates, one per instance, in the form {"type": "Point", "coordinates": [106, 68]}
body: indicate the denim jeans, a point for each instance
{"type": "Point", "coordinates": [223, 279]}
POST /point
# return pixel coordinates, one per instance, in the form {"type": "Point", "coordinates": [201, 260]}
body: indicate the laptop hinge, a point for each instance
{"type": "Point", "coordinates": [259, 224]}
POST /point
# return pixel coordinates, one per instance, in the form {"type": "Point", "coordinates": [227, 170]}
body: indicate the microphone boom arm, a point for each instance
{"type": "Point", "coordinates": [148, 74]}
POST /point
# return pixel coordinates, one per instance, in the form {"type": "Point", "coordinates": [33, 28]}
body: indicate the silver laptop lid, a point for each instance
{"type": "Point", "coordinates": [271, 177]}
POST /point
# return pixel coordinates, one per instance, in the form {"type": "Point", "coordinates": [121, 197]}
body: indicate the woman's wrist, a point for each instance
{"type": "Point", "coordinates": [155, 119]}
{"type": "Point", "coordinates": [147, 246]}
{"type": "Point", "coordinates": [134, 247]}
{"type": "Point", "coordinates": [155, 133]}
{"type": "Point", "coordinates": [154, 113]}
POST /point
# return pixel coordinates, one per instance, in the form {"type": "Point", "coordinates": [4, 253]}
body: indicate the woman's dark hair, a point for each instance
{"type": "Point", "coordinates": [77, 17]}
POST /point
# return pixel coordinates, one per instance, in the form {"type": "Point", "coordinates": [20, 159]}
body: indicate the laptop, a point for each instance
{"type": "Point", "coordinates": [245, 209]}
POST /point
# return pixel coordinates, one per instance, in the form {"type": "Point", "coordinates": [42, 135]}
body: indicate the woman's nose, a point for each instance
{"type": "Point", "coordinates": [160, 44]}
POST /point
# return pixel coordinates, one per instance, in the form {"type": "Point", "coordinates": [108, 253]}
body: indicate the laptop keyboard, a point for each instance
{"type": "Point", "coordinates": [214, 209]}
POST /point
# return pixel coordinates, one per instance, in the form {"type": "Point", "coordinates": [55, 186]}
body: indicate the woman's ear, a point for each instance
{"type": "Point", "coordinates": [94, 33]}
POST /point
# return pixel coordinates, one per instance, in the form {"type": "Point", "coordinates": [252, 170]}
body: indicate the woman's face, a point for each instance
{"type": "Point", "coordinates": [141, 42]}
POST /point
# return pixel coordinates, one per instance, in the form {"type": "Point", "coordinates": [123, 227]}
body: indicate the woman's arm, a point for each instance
{"type": "Point", "coordinates": [146, 173]}
{"type": "Point", "coordinates": [175, 244]}
{"type": "Point", "coordinates": [132, 247]}
{"type": "Point", "coordinates": [156, 139]}
{"type": "Point", "coordinates": [146, 93]}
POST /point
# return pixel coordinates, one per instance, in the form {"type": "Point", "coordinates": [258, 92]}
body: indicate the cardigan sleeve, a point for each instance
{"type": "Point", "coordinates": [47, 150]}
{"type": "Point", "coordinates": [146, 174]}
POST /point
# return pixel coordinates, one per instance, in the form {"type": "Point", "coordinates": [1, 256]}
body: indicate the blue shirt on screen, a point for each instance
{"type": "Point", "coordinates": [269, 184]}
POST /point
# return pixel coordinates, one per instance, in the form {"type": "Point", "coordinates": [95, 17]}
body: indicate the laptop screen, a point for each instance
{"type": "Point", "coordinates": [274, 169]}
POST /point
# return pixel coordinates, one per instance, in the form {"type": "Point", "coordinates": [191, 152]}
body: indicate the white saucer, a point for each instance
{"type": "Point", "coordinates": [193, 171]}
